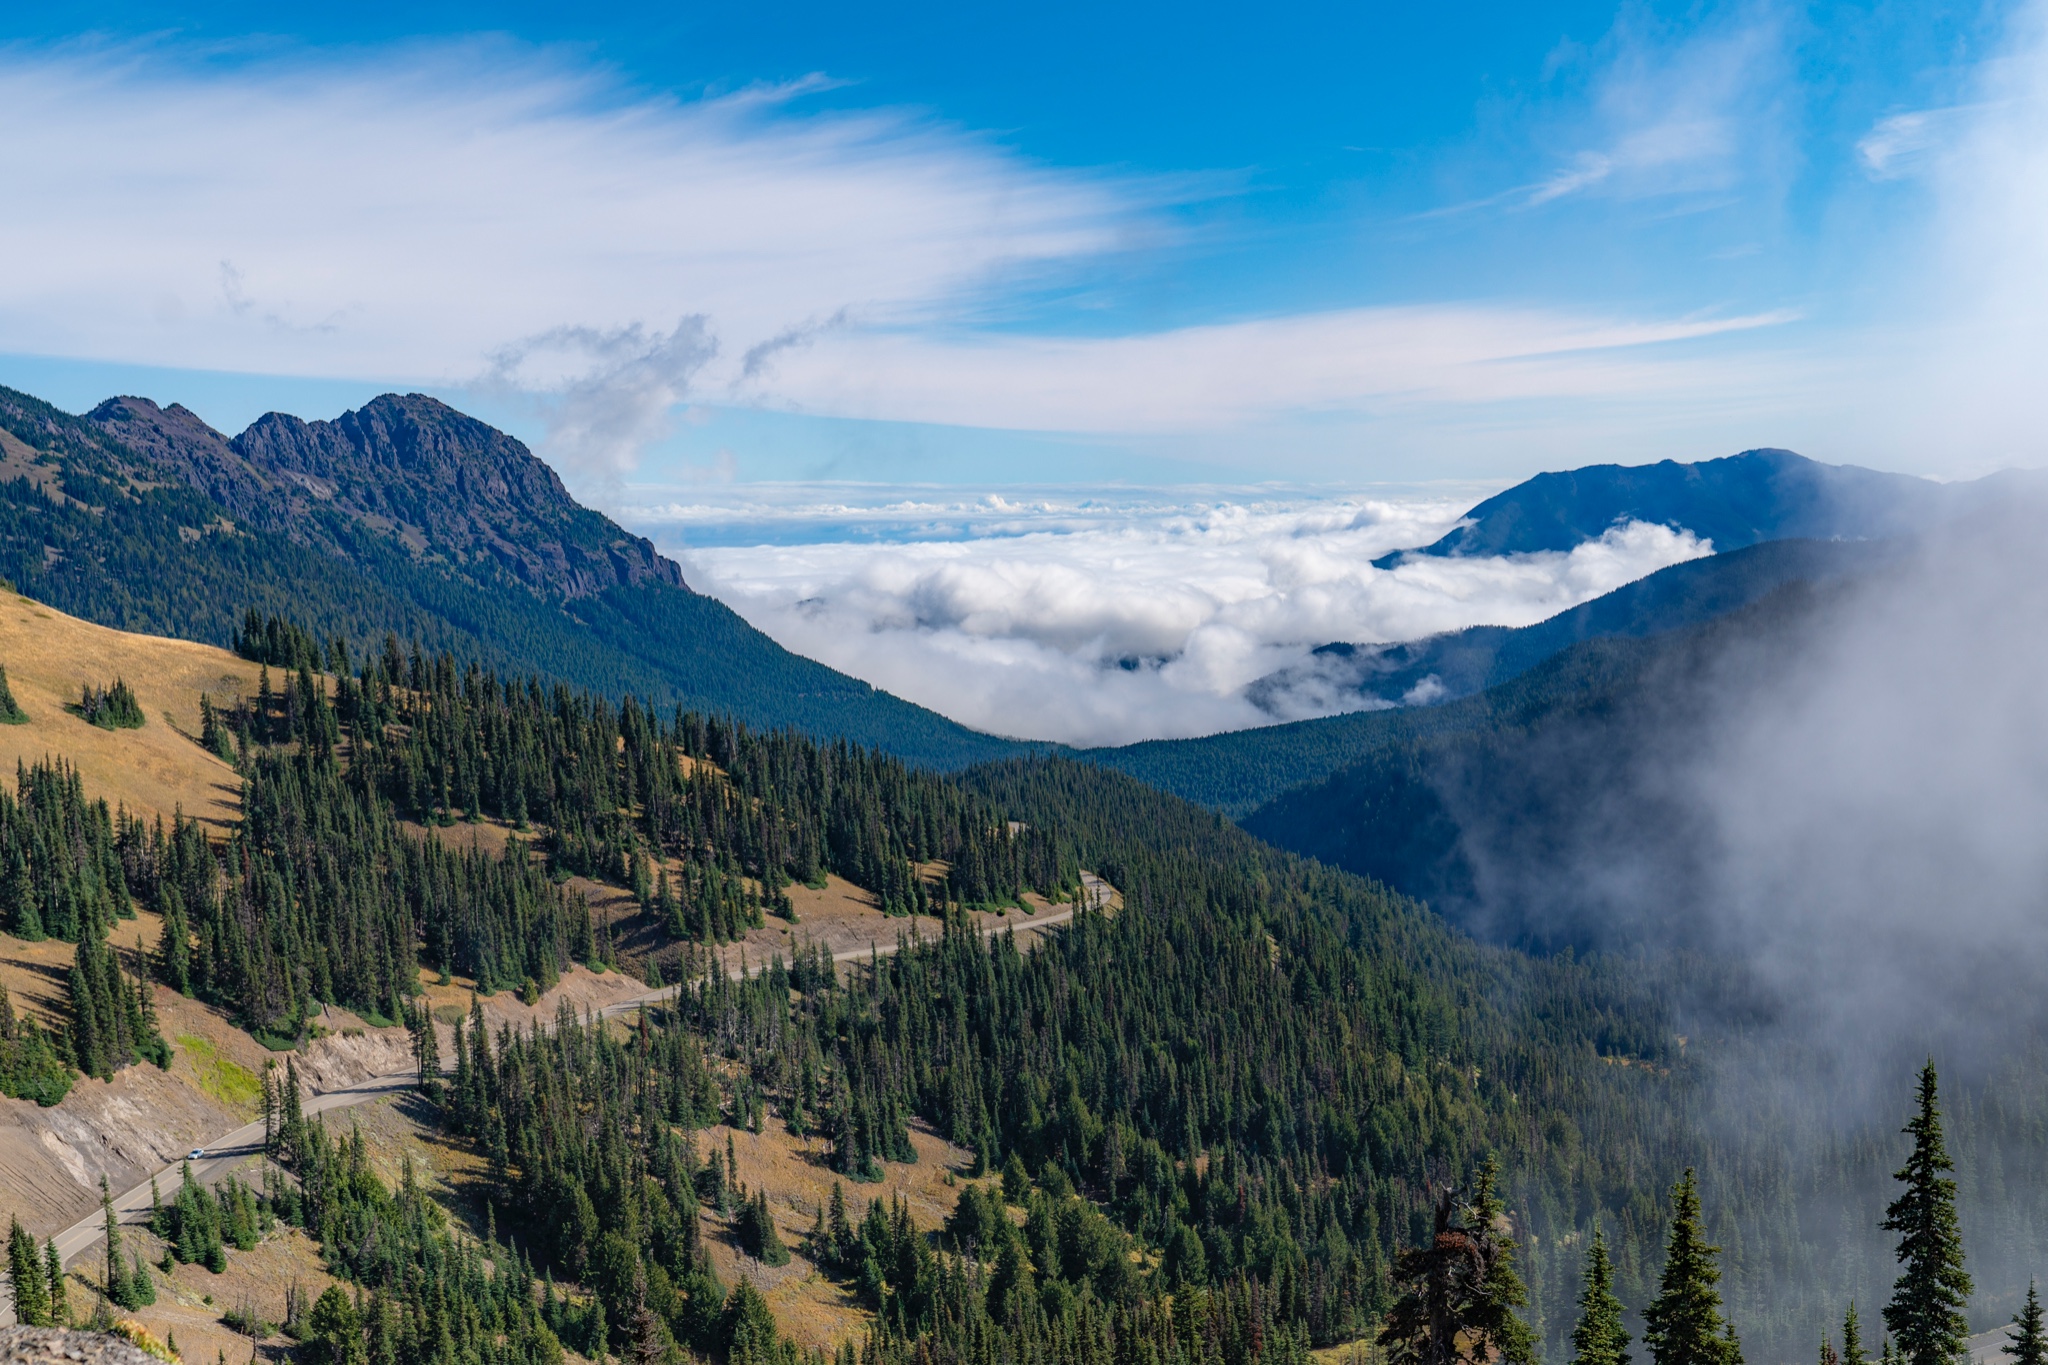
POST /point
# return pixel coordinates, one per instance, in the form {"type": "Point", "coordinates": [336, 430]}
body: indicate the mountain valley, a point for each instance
{"type": "Point", "coordinates": [730, 1008]}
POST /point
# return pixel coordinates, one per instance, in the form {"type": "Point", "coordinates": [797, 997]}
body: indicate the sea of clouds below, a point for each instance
{"type": "Point", "coordinates": [1095, 617]}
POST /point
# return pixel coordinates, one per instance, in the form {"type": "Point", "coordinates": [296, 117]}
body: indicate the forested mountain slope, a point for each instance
{"type": "Point", "coordinates": [1550, 663]}
{"type": "Point", "coordinates": [1239, 771]}
{"type": "Point", "coordinates": [1446, 667]}
{"type": "Point", "coordinates": [1528, 771]}
{"type": "Point", "coordinates": [1232, 1091]}
{"type": "Point", "coordinates": [1290, 1026]}
{"type": "Point", "coordinates": [408, 518]}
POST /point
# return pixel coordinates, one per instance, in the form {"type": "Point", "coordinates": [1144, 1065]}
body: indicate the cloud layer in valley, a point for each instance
{"type": "Point", "coordinates": [1093, 619]}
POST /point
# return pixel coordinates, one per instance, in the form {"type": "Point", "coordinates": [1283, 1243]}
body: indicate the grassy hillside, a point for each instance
{"type": "Point", "coordinates": [154, 771]}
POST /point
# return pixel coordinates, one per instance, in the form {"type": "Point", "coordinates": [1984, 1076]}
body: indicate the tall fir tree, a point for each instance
{"type": "Point", "coordinates": [1683, 1325]}
{"type": "Point", "coordinates": [25, 1273]}
{"type": "Point", "coordinates": [1926, 1310]}
{"type": "Point", "coordinates": [115, 1283]}
{"type": "Point", "coordinates": [1599, 1338]}
{"type": "Point", "coordinates": [2026, 1343]}
{"type": "Point", "coordinates": [58, 1311]}
{"type": "Point", "coordinates": [1852, 1338]}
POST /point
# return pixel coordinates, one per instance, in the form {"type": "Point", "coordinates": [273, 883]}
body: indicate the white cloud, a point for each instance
{"type": "Point", "coordinates": [603, 396]}
{"type": "Point", "coordinates": [1104, 621]}
{"type": "Point", "coordinates": [1960, 372]}
{"type": "Point", "coordinates": [1901, 144]}
{"type": "Point", "coordinates": [1667, 118]}
{"type": "Point", "coordinates": [487, 215]}
{"type": "Point", "coordinates": [413, 212]}
{"type": "Point", "coordinates": [1236, 374]}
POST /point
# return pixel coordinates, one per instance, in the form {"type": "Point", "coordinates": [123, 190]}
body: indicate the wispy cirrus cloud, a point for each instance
{"type": "Point", "coordinates": [494, 217]}
{"type": "Point", "coordinates": [1242, 373]}
{"type": "Point", "coordinates": [1906, 143]}
{"type": "Point", "coordinates": [1672, 118]}
{"type": "Point", "coordinates": [413, 212]}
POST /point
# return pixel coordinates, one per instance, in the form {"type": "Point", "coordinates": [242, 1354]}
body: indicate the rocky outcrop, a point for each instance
{"type": "Point", "coordinates": [178, 442]}
{"type": "Point", "coordinates": [56, 1346]}
{"type": "Point", "coordinates": [410, 470]}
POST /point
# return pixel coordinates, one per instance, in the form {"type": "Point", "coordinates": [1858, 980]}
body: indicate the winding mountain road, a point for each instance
{"type": "Point", "coordinates": [132, 1205]}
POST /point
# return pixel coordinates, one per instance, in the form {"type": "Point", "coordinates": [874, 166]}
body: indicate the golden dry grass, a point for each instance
{"type": "Point", "coordinates": [792, 1172]}
{"type": "Point", "coordinates": [155, 770]}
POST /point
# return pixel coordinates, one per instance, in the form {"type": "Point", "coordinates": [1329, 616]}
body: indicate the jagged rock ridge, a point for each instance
{"type": "Point", "coordinates": [448, 487]}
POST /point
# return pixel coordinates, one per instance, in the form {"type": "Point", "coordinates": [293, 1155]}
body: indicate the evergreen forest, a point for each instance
{"type": "Point", "coordinates": [1216, 1125]}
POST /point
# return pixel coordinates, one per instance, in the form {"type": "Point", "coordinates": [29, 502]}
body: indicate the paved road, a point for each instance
{"type": "Point", "coordinates": [132, 1206]}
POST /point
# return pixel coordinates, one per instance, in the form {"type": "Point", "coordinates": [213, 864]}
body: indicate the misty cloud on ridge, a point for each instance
{"type": "Point", "coordinates": [1839, 795]}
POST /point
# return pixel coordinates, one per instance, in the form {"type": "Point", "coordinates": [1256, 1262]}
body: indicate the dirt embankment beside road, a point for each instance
{"type": "Point", "coordinates": [51, 1160]}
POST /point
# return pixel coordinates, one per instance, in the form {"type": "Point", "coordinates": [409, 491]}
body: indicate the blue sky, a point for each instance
{"type": "Point", "coordinates": [678, 245]}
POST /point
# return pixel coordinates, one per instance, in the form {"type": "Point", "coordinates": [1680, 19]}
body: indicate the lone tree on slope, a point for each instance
{"type": "Point", "coordinates": [2026, 1343]}
{"type": "Point", "coordinates": [1683, 1325]}
{"type": "Point", "coordinates": [1926, 1311]}
{"type": "Point", "coordinates": [1599, 1338]}
{"type": "Point", "coordinates": [1852, 1338]}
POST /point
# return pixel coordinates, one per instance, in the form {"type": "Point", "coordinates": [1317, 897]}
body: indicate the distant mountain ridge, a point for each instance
{"type": "Point", "coordinates": [445, 485]}
{"type": "Point", "coordinates": [1736, 501]}
{"type": "Point", "coordinates": [405, 517]}
{"type": "Point", "coordinates": [1441, 668]}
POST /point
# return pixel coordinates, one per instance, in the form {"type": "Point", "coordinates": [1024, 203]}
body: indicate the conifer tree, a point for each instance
{"type": "Point", "coordinates": [172, 963]}
{"type": "Point", "coordinates": [757, 1232]}
{"type": "Point", "coordinates": [2027, 1344]}
{"type": "Point", "coordinates": [1599, 1338]}
{"type": "Point", "coordinates": [10, 710]}
{"type": "Point", "coordinates": [1462, 1288]}
{"type": "Point", "coordinates": [1852, 1338]}
{"type": "Point", "coordinates": [1683, 1325]}
{"type": "Point", "coordinates": [650, 1339]}
{"type": "Point", "coordinates": [1016, 1181]}
{"type": "Point", "coordinates": [25, 1272]}
{"type": "Point", "coordinates": [58, 1313]}
{"type": "Point", "coordinates": [1926, 1310]}
{"type": "Point", "coordinates": [20, 906]}
{"type": "Point", "coordinates": [1827, 1351]}
{"type": "Point", "coordinates": [115, 1283]}
{"type": "Point", "coordinates": [1498, 1333]}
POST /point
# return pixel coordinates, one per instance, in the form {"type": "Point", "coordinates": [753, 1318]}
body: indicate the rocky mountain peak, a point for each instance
{"type": "Point", "coordinates": [446, 486]}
